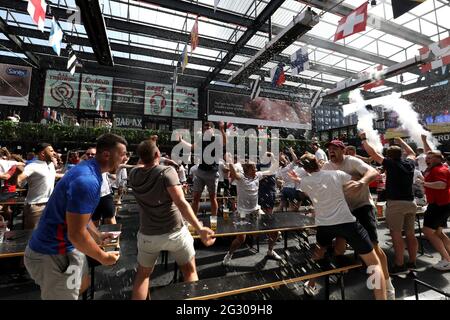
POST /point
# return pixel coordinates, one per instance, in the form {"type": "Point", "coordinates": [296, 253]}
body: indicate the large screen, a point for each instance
{"type": "Point", "coordinates": [238, 108]}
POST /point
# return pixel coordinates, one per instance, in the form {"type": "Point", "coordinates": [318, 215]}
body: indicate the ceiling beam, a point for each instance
{"type": "Point", "coordinates": [19, 45]}
{"type": "Point", "coordinates": [266, 13]}
{"type": "Point", "coordinates": [373, 21]}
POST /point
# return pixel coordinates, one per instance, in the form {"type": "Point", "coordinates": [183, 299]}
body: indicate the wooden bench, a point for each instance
{"type": "Point", "coordinates": [213, 288]}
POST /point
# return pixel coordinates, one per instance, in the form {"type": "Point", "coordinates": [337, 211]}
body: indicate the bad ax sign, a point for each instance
{"type": "Point", "coordinates": [128, 122]}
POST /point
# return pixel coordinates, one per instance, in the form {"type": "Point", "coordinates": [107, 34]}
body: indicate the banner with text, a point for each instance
{"type": "Point", "coordinates": [15, 84]}
{"type": "Point", "coordinates": [157, 99]}
{"type": "Point", "coordinates": [61, 89]}
{"type": "Point", "coordinates": [128, 97]}
{"type": "Point", "coordinates": [96, 93]}
{"type": "Point", "coordinates": [185, 103]}
{"type": "Point", "coordinates": [238, 108]}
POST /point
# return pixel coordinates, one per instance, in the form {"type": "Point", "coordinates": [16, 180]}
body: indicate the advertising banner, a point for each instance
{"type": "Point", "coordinates": [157, 99]}
{"type": "Point", "coordinates": [96, 93]}
{"type": "Point", "coordinates": [14, 84]}
{"type": "Point", "coordinates": [61, 89]}
{"type": "Point", "coordinates": [238, 108]}
{"type": "Point", "coordinates": [185, 103]}
{"type": "Point", "coordinates": [128, 97]}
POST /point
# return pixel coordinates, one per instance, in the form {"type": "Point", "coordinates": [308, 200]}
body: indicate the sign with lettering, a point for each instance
{"type": "Point", "coordinates": [61, 89]}
{"type": "Point", "coordinates": [158, 99]}
{"type": "Point", "coordinates": [127, 122]}
{"type": "Point", "coordinates": [96, 93]}
{"type": "Point", "coordinates": [128, 97]}
{"type": "Point", "coordinates": [14, 84]}
{"type": "Point", "coordinates": [185, 103]}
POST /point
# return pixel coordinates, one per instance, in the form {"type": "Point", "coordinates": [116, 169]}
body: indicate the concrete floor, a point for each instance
{"type": "Point", "coordinates": [116, 282]}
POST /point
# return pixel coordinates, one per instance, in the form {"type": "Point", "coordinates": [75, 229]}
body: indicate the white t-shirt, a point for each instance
{"type": "Point", "coordinates": [417, 175]}
{"type": "Point", "coordinates": [238, 168]}
{"type": "Point", "coordinates": [121, 178]}
{"type": "Point", "coordinates": [247, 191]}
{"type": "Point", "coordinates": [106, 186]}
{"type": "Point", "coordinates": [5, 165]}
{"type": "Point", "coordinates": [41, 181]}
{"type": "Point", "coordinates": [321, 155]}
{"type": "Point", "coordinates": [356, 168]}
{"type": "Point", "coordinates": [325, 188]}
{"type": "Point", "coordinates": [182, 174]}
{"type": "Point", "coordinates": [421, 162]}
{"type": "Point", "coordinates": [193, 170]}
{"type": "Point", "coordinates": [300, 173]}
{"type": "Point", "coordinates": [282, 173]}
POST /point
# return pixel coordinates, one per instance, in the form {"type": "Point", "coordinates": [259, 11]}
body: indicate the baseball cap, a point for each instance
{"type": "Point", "coordinates": [336, 143]}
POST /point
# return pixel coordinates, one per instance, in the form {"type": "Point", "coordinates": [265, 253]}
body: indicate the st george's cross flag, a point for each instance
{"type": "Point", "coordinates": [355, 22]}
{"type": "Point", "coordinates": [37, 10]}
{"type": "Point", "coordinates": [56, 36]}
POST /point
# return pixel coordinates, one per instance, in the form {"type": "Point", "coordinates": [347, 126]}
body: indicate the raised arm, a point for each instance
{"type": "Point", "coordinates": [408, 150]}
{"type": "Point", "coordinates": [294, 156]}
{"type": "Point", "coordinates": [233, 173]}
{"type": "Point", "coordinates": [370, 150]}
{"type": "Point", "coordinates": [426, 146]}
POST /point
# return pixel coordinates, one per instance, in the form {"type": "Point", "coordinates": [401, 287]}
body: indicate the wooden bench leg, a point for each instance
{"type": "Point", "coordinates": [341, 280]}
{"type": "Point", "coordinates": [92, 289]}
{"type": "Point", "coordinates": [327, 287]}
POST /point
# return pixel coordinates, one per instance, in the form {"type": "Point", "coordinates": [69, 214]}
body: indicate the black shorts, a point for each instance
{"type": "Point", "coordinates": [436, 216]}
{"type": "Point", "coordinates": [366, 216]}
{"type": "Point", "coordinates": [266, 199]}
{"type": "Point", "coordinates": [105, 208]}
{"type": "Point", "coordinates": [353, 232]}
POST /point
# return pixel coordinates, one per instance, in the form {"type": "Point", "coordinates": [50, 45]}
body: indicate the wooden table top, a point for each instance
{"type": "Point", "coordinates": [15, 244]}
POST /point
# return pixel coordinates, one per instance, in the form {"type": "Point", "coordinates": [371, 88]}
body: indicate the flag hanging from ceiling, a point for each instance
{"type": "Point", "coordinates": [37, 10]}
{"type": "Point", "coordinates": [400, 7]}
{"type": "Point", "coordinates": [184, 59]}
{"type": "Point", "coordinates": [194, 35]}
{"type": "Point", "coordinates": [300, 61]}
{"type": "Point", "coordinates": [216, 3]}
{"type": "Point", "coordinates": [256, 88]}
{"type": "Point", "coordinates": [56, 36]}
{"type": "Point", "coordinates": [441, 53]}
{"type": "Point", "coordinates": [374, 74]}
{"type": "Point", "coordinates": [277, 75]}
{"type": "Point", "coordinates": [355, 22]}
{"type": "Point", "coordinates": [72, 62]}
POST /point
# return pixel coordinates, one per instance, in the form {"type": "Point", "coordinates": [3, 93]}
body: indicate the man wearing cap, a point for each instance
{"type": "Point", "coordinates": [359, 200]}
{"type": "Point", "coordinates": [40, 175]}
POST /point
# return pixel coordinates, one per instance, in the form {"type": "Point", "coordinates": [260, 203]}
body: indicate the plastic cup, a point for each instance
{"type": "Point", "coordinates": [242, 215]}
{"type": "Point", "coordinates": [213, 222]}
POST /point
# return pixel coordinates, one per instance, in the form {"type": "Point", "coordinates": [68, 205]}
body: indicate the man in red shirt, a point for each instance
{"type": "Point", "coordinates": [437, 189]}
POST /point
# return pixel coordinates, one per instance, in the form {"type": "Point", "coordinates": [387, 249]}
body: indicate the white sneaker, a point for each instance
{"type": "Point", "coordinates": [310, 291]}
{"type": "Point", "coordinates": [227, 259]}
{"type": "Point", "coordinates": [272, 254]}
{"type": "Point", "coordinates": [390, 294]}
{"type": "Point", "coordinates": [442, 265]}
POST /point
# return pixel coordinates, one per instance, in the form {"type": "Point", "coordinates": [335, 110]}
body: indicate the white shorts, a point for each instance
{"type": "Point", "coordinates": [180, 244]}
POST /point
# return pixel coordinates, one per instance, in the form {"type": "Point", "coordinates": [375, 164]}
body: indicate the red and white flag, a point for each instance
{"type": "Point", "coordinates": [37, 10]}
{"type": "Point", "coordinates": [355, 22]}
{"type": "Point", "coordinates": [374, 75]}
{"type": "Point", "coordinates": [441, 52]}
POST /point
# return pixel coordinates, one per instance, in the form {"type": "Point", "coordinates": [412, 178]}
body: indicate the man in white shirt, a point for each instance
{"type": "Point", "coordinates": [359, 199]}
{"type": "Point", "coordinates": [334, 219]}
{"type": "Point", "coordinates": [421, 162]}
{"type": "Point", "coordinates": [321, 156]}
{"type": "Point", "coordinates": [41, 176]}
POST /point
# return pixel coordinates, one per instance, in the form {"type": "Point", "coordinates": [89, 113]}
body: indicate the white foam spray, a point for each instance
{"type": "Point", "coordinates": [365, 119]}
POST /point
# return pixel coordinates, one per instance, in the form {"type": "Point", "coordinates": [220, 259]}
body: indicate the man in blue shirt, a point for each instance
{"type": "Point", "coordinates": [55, 256]}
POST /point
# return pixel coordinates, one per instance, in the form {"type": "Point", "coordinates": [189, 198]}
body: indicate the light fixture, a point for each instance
{"type": "Point", "coordinates": [373, 3]}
